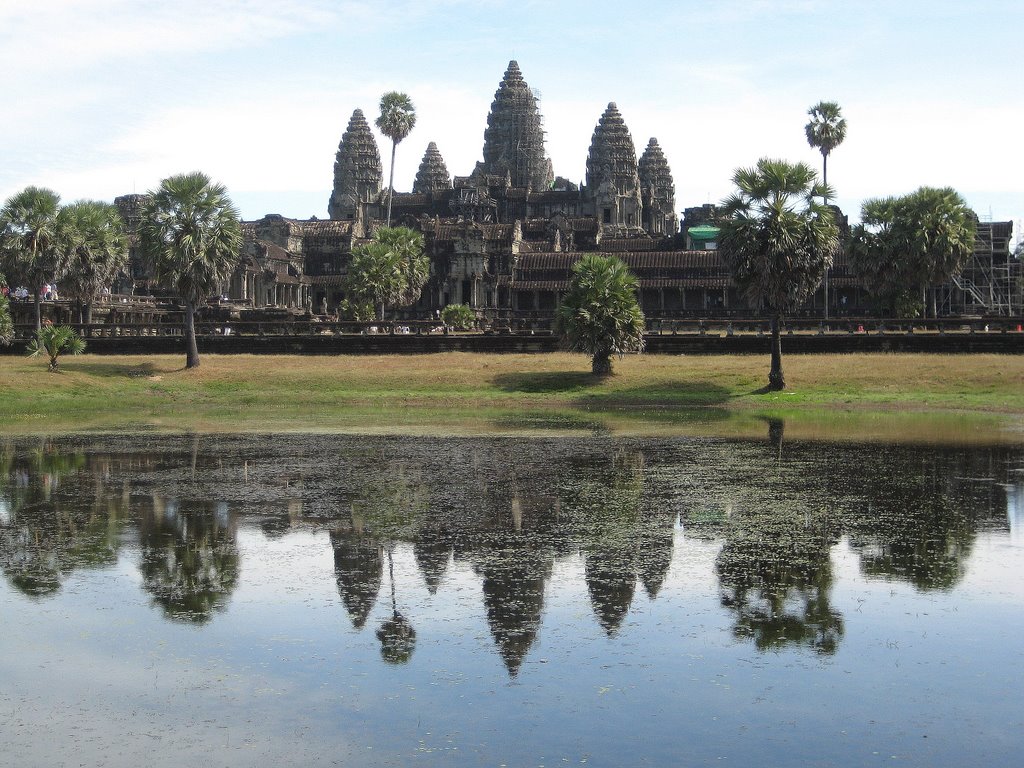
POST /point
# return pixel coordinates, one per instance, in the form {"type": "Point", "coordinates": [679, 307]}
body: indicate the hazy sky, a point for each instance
{"type": "Point", "coordinates": [106, 97]}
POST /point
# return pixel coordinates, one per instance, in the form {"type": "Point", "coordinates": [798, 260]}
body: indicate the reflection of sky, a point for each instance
{"type": "Point", "coordinates": [5, 511]}
{"type": "Point", "coordinates": [282, 676]}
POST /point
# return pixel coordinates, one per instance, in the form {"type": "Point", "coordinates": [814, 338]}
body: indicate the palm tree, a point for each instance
{"type": "Point", "coordinates": [390, 270]}
{"type": "Point", "coordinates": [778, 239]}
{"type": "Point", "coordinates": [30, 239]}
{"type": "Point", "coordinates": [56, 340]}
{"type": "Point", "coordinates": [825, 131]}
{"type": "Point", "coordinates": [905, 244]}
{"type": "Point", "coordinates": [396, 121]}
{"type": "Point", "coordinates": [6, 324]}
{"type": "Point", "coordinates": [190, 232]}
{"type": "Point", "coordinates": [600, 314]}
{"type": "Point", "coordinates": [96, 250]}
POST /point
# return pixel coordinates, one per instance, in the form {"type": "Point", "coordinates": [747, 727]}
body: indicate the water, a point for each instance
{"type": "Point", "coordinates": [371, 601]}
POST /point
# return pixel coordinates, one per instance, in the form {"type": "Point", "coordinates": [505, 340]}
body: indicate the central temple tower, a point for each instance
{"type": "Point", "coordinates": [514, 138]}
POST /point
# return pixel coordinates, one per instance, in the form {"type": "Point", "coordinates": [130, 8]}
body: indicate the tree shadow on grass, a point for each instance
{"type": "Point", "coordinates": [547, 383]}
{"type": "Point", "coordinates": [121, 370]}
{"type": "Point", "coordinates": [692, 394]}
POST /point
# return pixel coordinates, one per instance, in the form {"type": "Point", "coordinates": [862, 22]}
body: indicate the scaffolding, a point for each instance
{"type": "Point", "coordinates": [989, 283]}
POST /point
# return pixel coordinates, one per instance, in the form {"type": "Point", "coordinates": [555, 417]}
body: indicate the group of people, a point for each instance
{"type": "Point", "coordinates": [47, 293]}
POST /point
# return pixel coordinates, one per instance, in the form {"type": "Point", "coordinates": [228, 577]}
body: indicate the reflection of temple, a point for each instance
{"type": "Point", "coordinates": [358, 568]}
{"type": "Point", "coordinates": [510, 511]}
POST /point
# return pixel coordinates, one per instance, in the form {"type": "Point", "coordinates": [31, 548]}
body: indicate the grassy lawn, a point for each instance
{"type": "Point", "coordinates": [479, 393]}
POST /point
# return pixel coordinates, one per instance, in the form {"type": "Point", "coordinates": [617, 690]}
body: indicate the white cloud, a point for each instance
{"type": "Point", "coordinates": [46, 38]}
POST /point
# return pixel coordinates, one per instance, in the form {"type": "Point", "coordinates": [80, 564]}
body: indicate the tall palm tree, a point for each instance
{"type": "Point", "coordinates": [825, 131]}
{"type": "Point", "coordinates": [30, 239]}
{"type": "Point", "coordinates": [778, 239]}
{"type": "Point", "coordinates": [96, 250]}
{"type": "Point", "coordinates": [600, 314]}
{"type": "Point", "coordinates": [396, 121]}
{"type": "Point", "coordinates": [190, 232]}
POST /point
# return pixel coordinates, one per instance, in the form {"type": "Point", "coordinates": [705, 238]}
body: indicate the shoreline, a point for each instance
{"type": "Point", "coordinates": [894, 396]}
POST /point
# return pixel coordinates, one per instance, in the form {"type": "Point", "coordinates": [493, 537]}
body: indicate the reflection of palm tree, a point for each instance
{"type": "Point", "coordinates": [54, 523]}
{"type": "Point", "coordinates": [396, 635]}
{"type": "Point", "coordinates": [189, 560]}
{"type": "Point", "coordinates": [915, 534]}
{"type": "Point", "coordinates": [775, 573]}
{"type": "Point", "coordinates": [776, 431]}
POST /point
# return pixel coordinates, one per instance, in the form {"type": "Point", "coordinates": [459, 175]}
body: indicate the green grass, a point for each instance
{"type": "Point", "coordinates": [926, 396]}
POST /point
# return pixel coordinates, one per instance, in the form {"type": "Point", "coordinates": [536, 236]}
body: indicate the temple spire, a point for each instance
{"type": "Point", "coordinates": [613, 180]}
{"type": "Point", "coordinates": [514, 138]}
{"type": "Point", "coordinates": [658, 191]}
{"type": "Point", "coordinates": [357, 169]}
{"type": "Point", "coordinates": [433, 173]}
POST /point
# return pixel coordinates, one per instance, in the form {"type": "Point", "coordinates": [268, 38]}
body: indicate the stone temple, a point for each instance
{"type": "Point", "coordinates": [503, 239]}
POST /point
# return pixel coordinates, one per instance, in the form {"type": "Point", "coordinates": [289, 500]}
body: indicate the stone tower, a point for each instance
{"type": "Point", "coordinates": [357, 169]}
{"type": "Point", "coordinates": [433, 173]}
{"type": "Point", "coordinates": [514, 138]}
{"type": "Point", "coordinates": [613, 182]}
{"type": "Point", "coordinates": [658, 191]}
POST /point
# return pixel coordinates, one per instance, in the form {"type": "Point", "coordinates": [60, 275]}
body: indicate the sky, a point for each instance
{"type": "Point", "coordinates": [107, 97]}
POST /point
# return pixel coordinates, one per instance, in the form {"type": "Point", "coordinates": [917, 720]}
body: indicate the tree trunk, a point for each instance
{"type": "Point", "coordinates": [824, 180]}
{"type": "Point", "coordinates": [601, 364]}
{"type": "Point", "coordinates": [191, 349]}
{"type": "Point", "coordinates": [391, 182]}
{"type": "Point", "coordinates": [39, 310]}
{"type": "Point", "coordinates": [88, 314]}
{"type": "Point", "coordinates": [776, 381]}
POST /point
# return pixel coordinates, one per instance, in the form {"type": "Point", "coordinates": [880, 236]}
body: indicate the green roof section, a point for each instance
{"type": "Point", "coordinates": [703, 232]}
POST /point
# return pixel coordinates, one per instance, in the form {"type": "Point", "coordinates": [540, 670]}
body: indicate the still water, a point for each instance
{"type": "Point", "coordinates": [372, 601]}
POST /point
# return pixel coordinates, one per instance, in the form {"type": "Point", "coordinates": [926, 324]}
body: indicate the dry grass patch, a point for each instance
{"type": "Point", "coordinates": [654, 392]}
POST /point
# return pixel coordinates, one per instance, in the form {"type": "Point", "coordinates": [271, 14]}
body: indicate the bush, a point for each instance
{"type": "Point", "coordinates": [459, 316]}
{"type": "Point", "coordinates": [56, 340]}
